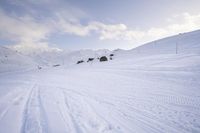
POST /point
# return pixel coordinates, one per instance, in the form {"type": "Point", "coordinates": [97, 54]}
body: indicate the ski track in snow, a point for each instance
{"type": "Point", "coordinates": [34, 120]}
{"type": "Point", "coordinates": [84, 114]}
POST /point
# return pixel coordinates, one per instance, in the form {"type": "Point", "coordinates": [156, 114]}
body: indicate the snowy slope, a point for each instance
{"type": "Point", "coordinates": [12, 60]}
{"type": "Point", "coordinates": [161, 54]}
{"type": "Point", "coordinates": [187, 43]}
{"type": "Point", "coordinates": [144, 90]}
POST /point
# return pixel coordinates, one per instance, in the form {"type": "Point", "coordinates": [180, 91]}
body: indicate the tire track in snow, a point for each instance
{"type": "Point", "coordinates": [83, 114]}
{"type": "Point", "coordinates": [177, 112]}
{"type": "Point", "coordinates": [183, 101]}
{"type": "Point", "coordinates": [34, 120]}
{"type": "Point", "coordinates": [11, 99]}
{"type": "Point", "coordinates": [72, 94]}
{"type": "Point", "coordinates": [131, 113]}
{"type": "Point", "coordinates": [164, 114]}
{"type": "Point", "coordinates": [159, 116]}
{"type": "Point", "coordinates": [143, 124]}
{"type": "Point", "coordinates": [64, 111]}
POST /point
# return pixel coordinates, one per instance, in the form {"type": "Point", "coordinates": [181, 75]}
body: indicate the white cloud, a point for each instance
{"type": "Point", "coordinates": [25, 31]}
{"type": "Point", "coordinates": [108, 31]}
{"type": "Point", "coordinates": [70, 27]}
{"type": "Point", "coordinates": [189, 22]}
{"type": "Point", "coordinates": [122, 32]}
{"type": "Point", "coordinates": [22, 29]}
{"type": "Point", "coordinates": [28, 48]}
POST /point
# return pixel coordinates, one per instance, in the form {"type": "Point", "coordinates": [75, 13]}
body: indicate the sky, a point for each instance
{"type": "Point", "coordinates": [93, 24]}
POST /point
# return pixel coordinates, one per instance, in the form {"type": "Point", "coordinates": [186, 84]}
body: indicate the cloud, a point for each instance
{"type": "Point", "coordinates": [25, 31]}
{"type": "Point", "coordinates": [22, 29]}
{"type": "Point", "coordinates": [71, 27]}
{"type": "Point", "coordinates": [122, 32]}
{"type": "Point", "coordinates": [32, 47]}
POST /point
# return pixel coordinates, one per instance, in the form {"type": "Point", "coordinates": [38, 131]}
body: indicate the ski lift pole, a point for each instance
{"type": "Point", "coordinates": [177, 42]}
{"type": "Point", "coordinates": [176, 47]}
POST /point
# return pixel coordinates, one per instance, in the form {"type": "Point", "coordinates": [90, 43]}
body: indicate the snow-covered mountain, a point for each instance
{"type": "Point", "coordinates": [13, 60]}
{"type": "Point", "coordinates": [66, 58]}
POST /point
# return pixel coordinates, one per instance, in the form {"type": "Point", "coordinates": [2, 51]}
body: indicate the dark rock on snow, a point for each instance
{"type": "Point", "coordinates": [81, 61]}
{"type": "Point", "coordinates": [90, 59]}
{"type": "Point", "coordinates": [103, 58]}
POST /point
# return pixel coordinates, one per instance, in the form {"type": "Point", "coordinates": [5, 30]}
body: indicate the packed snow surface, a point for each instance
{"type": "Point", "coordinates": [142, 90]}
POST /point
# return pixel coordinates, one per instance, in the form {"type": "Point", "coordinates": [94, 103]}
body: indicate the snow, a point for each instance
{"type": "Point", "coordinates": [154, 90]}
{"type": "Point", "coordinates": [11, 60]}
